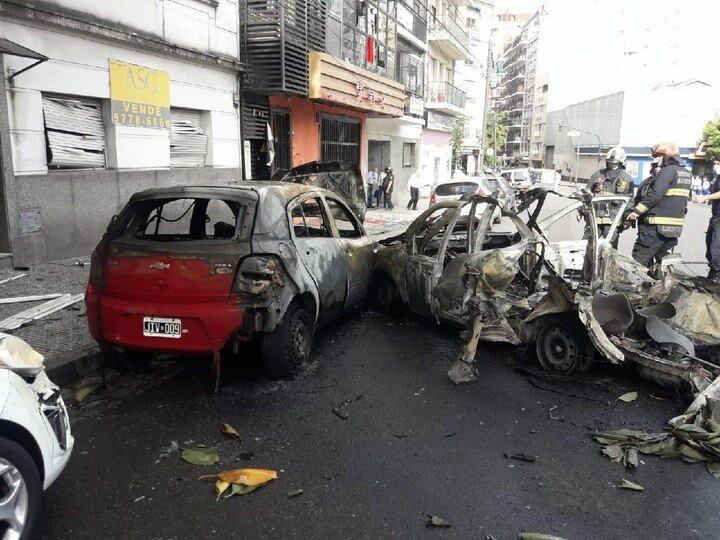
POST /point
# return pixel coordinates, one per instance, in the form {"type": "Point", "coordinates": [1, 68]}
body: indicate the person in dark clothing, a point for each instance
{"type": "Point", "coordinates": [387, 188]}
{"type": "Point", "coordinates": [612, 180]}
{"type": "Point", "coordinates": [660, 212]}
{"type": "Point", "coordinates": [712, 236]}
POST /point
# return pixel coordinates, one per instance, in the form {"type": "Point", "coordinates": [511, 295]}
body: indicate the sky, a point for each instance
{"type": "Point", "coordinates": [517, 6]}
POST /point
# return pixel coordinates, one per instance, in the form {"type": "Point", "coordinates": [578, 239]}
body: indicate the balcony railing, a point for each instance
{"type": "Point", "coordinates": [444, 91]}
{"type": "Point", "coordinates": [453, 28]}
{"type": "Point", "coordinates": [411, 73]}
{"type": "Point", "coordinates": [411, 20]}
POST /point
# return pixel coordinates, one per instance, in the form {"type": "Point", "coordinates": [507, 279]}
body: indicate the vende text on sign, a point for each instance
{"type": "Point", "coordinates": [139, 96]}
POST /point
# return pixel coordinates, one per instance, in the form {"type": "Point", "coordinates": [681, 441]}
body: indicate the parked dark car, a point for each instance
{"type": "Point", "coordinates": [194, 270]}
{"type": "Point", "coordinates": [341, 177]}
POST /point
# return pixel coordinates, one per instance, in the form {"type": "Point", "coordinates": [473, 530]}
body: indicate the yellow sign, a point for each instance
{"type": "Point", "coordinates": [139, 96]}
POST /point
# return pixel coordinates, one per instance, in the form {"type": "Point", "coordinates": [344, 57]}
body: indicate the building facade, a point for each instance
{"type": "Point", "coordinates": [97, 103]}
{"type": "Point", "coordinates": [317, 73]}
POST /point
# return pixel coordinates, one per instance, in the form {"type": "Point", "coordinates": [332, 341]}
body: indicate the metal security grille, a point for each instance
{"type": "Point", "coordinates": [339, 139]}
{"type": "Point", "coordinates": [281, 136]}
{"type": "Point", "coordinates": [188, 140]}
{"type": "Point", "coordinates": [74, 132]}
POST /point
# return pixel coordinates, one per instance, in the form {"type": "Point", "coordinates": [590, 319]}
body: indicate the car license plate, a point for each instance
{"type": "Point", "coordinates": [159, 327]}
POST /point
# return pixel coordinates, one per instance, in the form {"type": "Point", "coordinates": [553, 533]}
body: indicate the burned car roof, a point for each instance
{"type": "Point", "coordinates": [286, 189]}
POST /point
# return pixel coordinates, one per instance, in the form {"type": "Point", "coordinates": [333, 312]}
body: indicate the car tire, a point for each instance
{"type": "Point", "coordinates": [287, 348]}
{"type": "Point", "coordinates": [562, 344]}
{"type": "Point", "coordinates": [21, 473]}
{"type": "Point", "coordinates": [385, 295]}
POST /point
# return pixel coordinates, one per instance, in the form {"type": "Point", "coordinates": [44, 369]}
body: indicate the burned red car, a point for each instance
{"type": "Point", "coordinates": [195, 270]}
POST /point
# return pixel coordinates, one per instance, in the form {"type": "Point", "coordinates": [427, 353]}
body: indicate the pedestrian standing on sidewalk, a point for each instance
{"type": "Point", "coordinates": [705, 186]}
{"type": "Point", "coordinates": [387, 188]}
{"type": "Point", "coordinates": [712, 236]}
{"type": "Point", "coordinates": [415, 182]}
{"type": "Point", "coordinates": [697, 186]}
{"type": "Point", "coordinates": [373, 181]}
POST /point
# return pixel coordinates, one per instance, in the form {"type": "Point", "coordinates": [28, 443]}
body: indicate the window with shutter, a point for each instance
{"type": "Point", "coordinates": [188, 140]}
{"type": "Point", "coordinates": [74, 132]}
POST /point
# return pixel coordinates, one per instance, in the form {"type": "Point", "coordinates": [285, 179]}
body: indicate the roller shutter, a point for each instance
{"type": "Point", "coordinates": [74, 132]}
{"type": "Point", "coordinates": [188, 140]}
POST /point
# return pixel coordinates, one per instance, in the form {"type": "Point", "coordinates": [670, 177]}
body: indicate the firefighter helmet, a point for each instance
{"type": "Point", "coordinates": [616, 156]}
{"type": "Point", "coordinates": [665, 149]}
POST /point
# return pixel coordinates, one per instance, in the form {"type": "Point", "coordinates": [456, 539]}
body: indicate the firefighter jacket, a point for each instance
{"type": "Point", "coordinates": [664, 202]}
{"type": "Point", "coordinates": [609, 182]}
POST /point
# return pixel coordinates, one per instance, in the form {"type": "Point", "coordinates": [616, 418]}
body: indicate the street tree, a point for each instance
{"type": "Point", "coordinates": [711, 135]}
{"type": "Point", "coordinates": [496, 131]}
{"type": "Point", "coordinates": [457, 141]}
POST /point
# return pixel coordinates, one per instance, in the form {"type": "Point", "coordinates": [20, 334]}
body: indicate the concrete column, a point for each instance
{"type": "Point", "coordinates": [9, 223]}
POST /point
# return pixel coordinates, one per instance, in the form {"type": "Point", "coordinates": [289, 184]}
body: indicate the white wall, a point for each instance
{"type": "Point", "coordinates": [79, 66]}
{"type": "Point", "coordinates": [195, 24]}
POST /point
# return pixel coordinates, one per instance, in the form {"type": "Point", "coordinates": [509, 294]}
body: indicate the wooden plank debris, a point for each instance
{"type": "Point", "coordinates": [38, 312]}
{"type": "Point", "coordinates": [19, 299]}
{"type": "Point", "coordinates": [12, 278]}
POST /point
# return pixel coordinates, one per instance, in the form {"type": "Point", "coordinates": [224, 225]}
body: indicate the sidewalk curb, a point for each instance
{"type": "Point", "coordinates": [70, 366]}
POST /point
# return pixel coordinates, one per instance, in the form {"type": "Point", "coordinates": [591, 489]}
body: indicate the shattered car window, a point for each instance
{"type": "Point", "coordinates": [308, 220]}
{"type": "Point", "coordinates": [346, 226]}
{"type": "Point", "coordinates": [180, 219]}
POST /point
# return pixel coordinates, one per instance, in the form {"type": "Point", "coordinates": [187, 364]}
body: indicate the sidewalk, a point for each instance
{"type": "Point", "coordinates": [60, 337]}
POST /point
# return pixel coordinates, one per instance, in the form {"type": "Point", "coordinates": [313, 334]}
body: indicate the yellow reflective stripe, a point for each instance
{"type": "Point", "coordinates": [604, 221]}
{"type": "Point", "coordinates": [604, 193]}
{"type": "Point", "coordinates": [679, 192]}
{"type": "Point", "coordinates": [658, 220]}
{"type": "Point", "coordinates": [641, 208]}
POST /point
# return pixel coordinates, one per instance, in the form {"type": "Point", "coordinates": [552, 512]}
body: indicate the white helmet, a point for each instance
{"type": "Point", "coordinates": [616, 156]}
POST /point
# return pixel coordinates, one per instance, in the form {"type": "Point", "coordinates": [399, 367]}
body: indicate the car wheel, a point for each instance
{"type": "Point", "coordinates": [287, 348]}
{"type": "Point", "coordinates": [20, 491]}
{"type": "Point", "coordinates": [562, 344]}
{"type": "Point", "coordinates": [385, 295]}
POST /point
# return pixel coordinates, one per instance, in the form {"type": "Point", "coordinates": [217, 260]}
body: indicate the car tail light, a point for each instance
{"type": "Point", "coordinates": [257, 273]}
{"type": "Point", "coordinates": [97, 270]}
{"type": "Point", "coordinates": [433, 199]}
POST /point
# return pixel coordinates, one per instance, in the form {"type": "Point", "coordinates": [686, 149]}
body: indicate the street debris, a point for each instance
{"type": "Point", "coordinates": [628, 397]}
{"type": "Point", "coordinates": [435, 521]}
{"type": "Point", "coordinates": [294, 493]}
{"type": "Point", "coordinates": [174, 447]}
{"type": "Point", "coordinates": [12, 278]}
{"type": "Point", "coordinates": [553, 416]}
{"type": "Point", "coordinates": [537, 536]}
{"type": "Point", "coordinates": [200, 455]}
{"type": "Point", "coordinates": [240, 481]}
{"type": "Point", "coordinates": [82, 394]}
{"type": "Point", "coordinates": [35, 298]}
{"type": "Point", "coordinates": [521, 457]}
{"type": "Point", "coordinates": [340, 413]}
{"type": "Point", "coordinates": [246, 455]}
{"type": "Point", "coordinates": [38, 312]}
{"type": "Point", "coordinates": [228, 430]}
{"type": "Point", "coordinates": [627, 484]}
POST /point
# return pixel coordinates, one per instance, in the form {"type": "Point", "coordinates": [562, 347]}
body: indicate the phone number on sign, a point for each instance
{"type": "Point", "coordinates": [140, 120]}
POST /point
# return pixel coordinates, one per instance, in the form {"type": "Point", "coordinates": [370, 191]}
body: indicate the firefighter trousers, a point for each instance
{"type": "Point", "coordinates": [712, 242]}
{"type": "Point", "coordinates": [651, 246]}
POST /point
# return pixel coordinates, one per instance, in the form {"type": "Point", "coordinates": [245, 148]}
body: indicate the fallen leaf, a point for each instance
{"type": "Point", "coordinates": [434, 521]}
{"type": "Point", "coordinates": [83, 393]}
{"type": "Point", "coordinates": [295, 492]}
{"type": "Point", "coordinates": [241, 489]}
{"type": "Point", "coordinates": [247, 477]}
{"type": "Point", "coordinates": [520, 457]}
{"type": "Point", "coordinates": [628, 397]}
{"type": "Point", "coordinates": [200, 456]}
{"type": "Point", "coordinates": [713, 468]}
{"type": "Point", "coordinates": [228, 430]}
{"type": "Point", "coordinates": [220, 487]}
{"type": "Point", "coordinates": [627, 484]}
{"type": "Point", "coordinates": [341, 413]}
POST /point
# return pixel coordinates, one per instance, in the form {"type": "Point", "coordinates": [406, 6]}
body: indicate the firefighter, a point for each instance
{"type": "Point", "coordinates": [612, 180]}
{"type": "Point", "coordinates": [712, 236]}
{"type": "Point", "coordinates": [660, 212]}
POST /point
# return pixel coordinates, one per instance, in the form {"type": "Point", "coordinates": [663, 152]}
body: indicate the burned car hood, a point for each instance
{"type": "Point", "coordinates": [341, 177]}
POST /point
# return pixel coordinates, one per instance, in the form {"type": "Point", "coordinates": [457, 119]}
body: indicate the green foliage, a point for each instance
{"type": "Point", "coordinates": [711, 135]}
{"type": "Point", "coordinates": [457, 141]}
{"type": "Point", "coordinates": [496, 132]}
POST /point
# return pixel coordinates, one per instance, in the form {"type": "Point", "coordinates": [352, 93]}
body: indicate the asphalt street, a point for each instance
{"type": "Point", "coordinates": [412, 444]}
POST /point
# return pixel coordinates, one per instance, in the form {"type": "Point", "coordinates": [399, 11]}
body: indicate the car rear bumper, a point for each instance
{"type": "Point", "coordinates": [206, 326]}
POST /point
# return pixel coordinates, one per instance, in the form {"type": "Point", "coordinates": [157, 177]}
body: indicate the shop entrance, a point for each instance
{"type": "Point", "coordinates": [340, 139]}
{"type": "Point", "coordinates": [378, 154]}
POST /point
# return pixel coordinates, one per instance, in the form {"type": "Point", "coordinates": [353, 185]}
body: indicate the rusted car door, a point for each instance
{"type": "Point", "coordinates": [320, 251]}
{"type": "Point", "coordinates": [426, 245]}
{"type": "Point", "coordinates": [358, 247]}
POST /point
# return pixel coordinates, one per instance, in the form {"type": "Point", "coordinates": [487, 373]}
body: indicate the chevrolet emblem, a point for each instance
{"type": "Point", "coordinates": [159, 266]}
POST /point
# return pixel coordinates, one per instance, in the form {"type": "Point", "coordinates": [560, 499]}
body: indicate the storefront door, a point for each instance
{"type": "Point", "coordinates": [378, 154]}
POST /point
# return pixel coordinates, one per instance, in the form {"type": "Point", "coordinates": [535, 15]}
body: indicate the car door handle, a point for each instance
{"type": "Point", "coordinates": [349, 253]}
{"type": "Point", "coordinates": [311, 251]}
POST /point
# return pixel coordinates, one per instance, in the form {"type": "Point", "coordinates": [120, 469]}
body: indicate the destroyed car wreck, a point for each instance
{"type": "Point", "coordinates": [574, 300]}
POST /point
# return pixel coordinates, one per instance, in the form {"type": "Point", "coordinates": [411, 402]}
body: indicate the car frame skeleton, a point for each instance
{"type": "Point", "coordinates": [570, 298]}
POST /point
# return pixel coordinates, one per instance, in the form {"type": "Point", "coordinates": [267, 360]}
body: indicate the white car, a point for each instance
{"type": "Point", "coordinates": [455, 189]}
{"type": "Point", "coordinates": [517, 178]}
{"type": "Point", "coordinates": [35, 439]}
